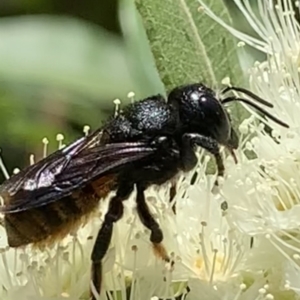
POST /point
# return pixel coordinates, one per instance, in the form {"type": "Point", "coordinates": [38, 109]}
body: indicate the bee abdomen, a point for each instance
{"type": "Point", "coordinates": [47, 223]}
{"type": "Point", "coordinates": [52, 222]}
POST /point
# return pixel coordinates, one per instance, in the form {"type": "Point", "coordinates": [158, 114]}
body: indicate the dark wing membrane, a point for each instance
{"type": "Point", "coordinates": [84, 166]}
{"type": "Point", "coordinates": [43, 172]}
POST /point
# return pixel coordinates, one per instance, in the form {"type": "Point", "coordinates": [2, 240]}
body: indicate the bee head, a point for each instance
{"type": "Point", "coordinates": [201, 112]}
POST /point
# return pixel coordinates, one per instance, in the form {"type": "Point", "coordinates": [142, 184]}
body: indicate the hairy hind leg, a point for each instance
{"type": "Point", "coordinates": [147, 219]}
{"type": "Point", "coordinates": [173, 191]}
{"type": "Point", "coordinates": [114, 213]}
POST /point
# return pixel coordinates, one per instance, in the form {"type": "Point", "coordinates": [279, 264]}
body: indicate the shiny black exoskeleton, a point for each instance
{"type": "Point", "coordinates": [147, 143]}
{"type": "Point", "coordinates": [191, 117]}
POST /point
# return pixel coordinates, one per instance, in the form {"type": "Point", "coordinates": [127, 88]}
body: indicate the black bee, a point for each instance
{"type": "Point", "coordinates": [148, 143]}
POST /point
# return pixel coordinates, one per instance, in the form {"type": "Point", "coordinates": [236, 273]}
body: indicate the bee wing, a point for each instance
{"type": "Point", "coordinates": [43, 172]}
{"type": "Point", "coordinates": [59, 177]}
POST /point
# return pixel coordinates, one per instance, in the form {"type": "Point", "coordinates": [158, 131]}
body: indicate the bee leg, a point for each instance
{"type": "Point", "coordinates": [114, 213]}
{"type": "Point", "coordinates": [147, 219]}
{"type": "Point", "coordinates": [220, 166]}
{"type": "Point", "coordinates": [220, 170]}
{"type": "Point", "coordinates": [210, 145]}
{"type": "Point", "coordinates": [172, 196]}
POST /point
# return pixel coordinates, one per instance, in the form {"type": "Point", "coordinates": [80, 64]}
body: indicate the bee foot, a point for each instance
{"type": "Point", "coordinates": [170, 265]}
{"type": "Point", "coordinates": [216, 187]}
{"type": "Point", "coordinates": [160, 251]}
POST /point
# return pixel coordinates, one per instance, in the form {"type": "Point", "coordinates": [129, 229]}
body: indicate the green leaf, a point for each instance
{"type": "Point", "coordinates": [139, 53]}
{"type": "Point", "coordinates": [187, 45]}
{"type": "Point", "coordinates": [63, 53]}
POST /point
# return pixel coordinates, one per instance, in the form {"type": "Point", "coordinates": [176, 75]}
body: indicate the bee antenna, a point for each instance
{"type": "Point", "coordinates": [263, 111]}
{"type": "Point", "coordinates": [248, 93]}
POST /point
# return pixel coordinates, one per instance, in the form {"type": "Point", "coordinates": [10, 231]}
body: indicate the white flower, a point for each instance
{"type": "Point", "coordinates": [268, 203]}
{"type": "Point", "coordinates": [274, 23]}
{"type": "Point", "coordinates": [241, 243]}
{"type": "Point", "coordinates": [198, 238]}
{"type": "Point", "coordinates": [206, 250]}
{"type": "Point", "coordinates": [275, 171]}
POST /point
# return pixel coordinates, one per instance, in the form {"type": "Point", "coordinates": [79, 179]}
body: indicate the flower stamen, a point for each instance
{"type": "Point", "coordinates": [3, 168]}
{"type": "Point", "coordinates": [45, 147]}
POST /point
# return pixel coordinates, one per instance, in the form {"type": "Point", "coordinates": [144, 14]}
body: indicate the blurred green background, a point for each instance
{"type": "Point", "coordinates": [62, 63]}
